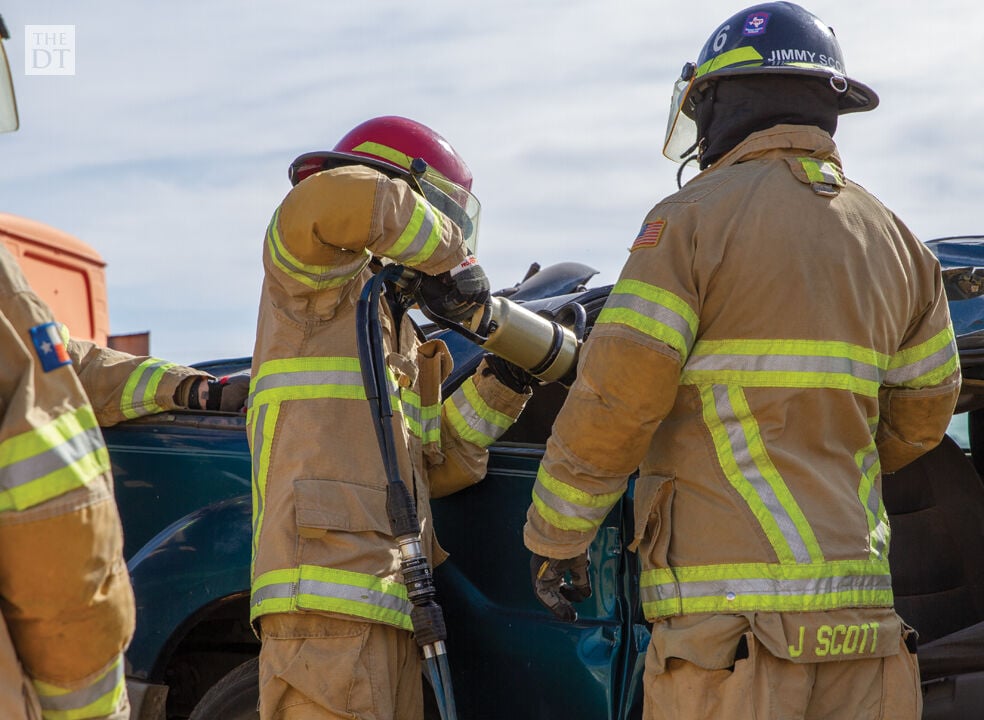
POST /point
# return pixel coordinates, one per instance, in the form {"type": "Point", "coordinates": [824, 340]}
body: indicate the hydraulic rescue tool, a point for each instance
{"type": "Point", "coordinates": [426, 615]}
{"type": "Point", "coordinates": [543, 347]}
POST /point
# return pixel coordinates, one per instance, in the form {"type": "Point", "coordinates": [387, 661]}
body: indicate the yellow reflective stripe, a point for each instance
{"type": "Point", "coordinates": [821, 171]}
{"type": "Point", "coordinates": [652, 311]}
{"type": "Point", "coordinates": [51, 460]}
{"type": "Point", "coordinates": [424, 421]}
{"type": "Point", "coordinates": [261, 421]}
{"type": "Point", "coordinates": [396, 157]}
{"type": "Point", "coordinates": [274, 592]}
{"type": "Point", "coordinates": [140, 392]}
{"type": "Point", "coordinates": [283, 380]}
{"type": "Point", "coordinates": [307, 378]}
{"type": "Point", "coordinates": [784, 346]}
{"type": "Point", "coordinates": [393, 155]}
{"type": "Point", "coordinates": [821, 364]}
{"type": "Point", "coordinates": [474, 419]}
{"type": "Point", "coordinates": [99, 699]}
{"type": "Point", "coordinates": [328, 589]}
{"type": "Point", "coordinates": [741, 467]}
{"type": "Point", "coordinates": [420, 238]}
{"type": "Point", "coordinates": [869, 465]}
{"type": "Point", "coordinates": [739, 56]}
{"type": "Point", "coordinates": [765, 587]}
{"type": "Point", "coordinates": [925, 364]}
{"type": "Point", "coordinates": [316, 277]}
{"type": "Point", "coordinates": [568, 508]}
{"type": "Point", "coordinates": [760, 455]}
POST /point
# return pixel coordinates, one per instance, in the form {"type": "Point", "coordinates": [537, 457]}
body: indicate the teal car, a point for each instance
{"type": "Point", "coordinates": [183, 487]}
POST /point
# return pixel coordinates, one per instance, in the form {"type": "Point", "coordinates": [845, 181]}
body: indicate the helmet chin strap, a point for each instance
{"type": "Point", "coordinates": [688, 157]}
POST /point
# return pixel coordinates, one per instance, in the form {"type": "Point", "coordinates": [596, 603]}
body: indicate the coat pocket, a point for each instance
{"type": "Point", "coordinates": [323, 505]}
{"type": "Point", "coordinates": [652, 514]}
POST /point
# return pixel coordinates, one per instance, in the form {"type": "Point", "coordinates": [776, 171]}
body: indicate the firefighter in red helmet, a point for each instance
{"type": "Point", "coordinates": [328, 599]}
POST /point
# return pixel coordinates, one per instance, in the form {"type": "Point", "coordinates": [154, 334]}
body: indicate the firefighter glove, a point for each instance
{"type": "Point", "coordinates": [509, 374]}
{"type": "Point", "coordinates": [456, 294]}
{"type": "Point", "coordinates": [229, 393]}
{"type": "Point", "coordinates": [552, 587]}
{"type": "Point", "coordinates": [226, 393]}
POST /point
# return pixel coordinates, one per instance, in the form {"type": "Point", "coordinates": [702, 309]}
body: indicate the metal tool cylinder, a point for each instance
{"type": "Point", "coordinates": [544, 348]}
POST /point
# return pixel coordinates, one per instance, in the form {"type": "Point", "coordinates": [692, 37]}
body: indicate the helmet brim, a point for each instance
{"type": "Point", "coordinates": [857, 98]}
{"type": "Point", "coordinates": [313, 162]}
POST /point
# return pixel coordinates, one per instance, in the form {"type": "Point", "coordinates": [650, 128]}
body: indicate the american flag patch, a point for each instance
{"type": "Point", "coordinates": [649, 235]}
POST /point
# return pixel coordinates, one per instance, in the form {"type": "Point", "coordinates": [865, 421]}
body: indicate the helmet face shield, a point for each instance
{"type": "Point", "coordinates": [454, 201]}
{"type": "Point", "coordinates": [8, 103]}
{"type": "Point", "coordinates": [681, 129]}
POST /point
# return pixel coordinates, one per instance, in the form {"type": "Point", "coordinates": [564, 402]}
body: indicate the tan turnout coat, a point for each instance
{"type": "Point", "coordinates": [322, 541]}
{"type": "Point", "coordinates": [67, 606]}
{"type": "Point", "coordinates": [777, 340]}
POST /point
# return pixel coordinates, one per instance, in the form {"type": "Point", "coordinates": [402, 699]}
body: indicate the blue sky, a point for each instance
{"type": "Point", "coordinates": [167, 151]}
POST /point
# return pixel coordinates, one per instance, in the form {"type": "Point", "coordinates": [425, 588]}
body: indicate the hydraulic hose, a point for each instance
{"type": "Point", "coordinates": [426, 615]}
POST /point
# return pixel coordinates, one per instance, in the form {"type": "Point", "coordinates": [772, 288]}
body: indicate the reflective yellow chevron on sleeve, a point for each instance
{"type": "Point", "coordinates": [50, 460]}
{"type": "Point", "coordinates": [420, 238]}
{"type": "Point", "coordinates": [316, 277]}
{"type": "Point", "coordinates": [653, 311]}
{"type": "Point", "coordinates": [140, 392]}
{"type": "Point", "coordinates": [925, 364]}
{"type": "Point", "coordinates": [474, 419]}
{"type": "Point", "coordinates": [569, 508]}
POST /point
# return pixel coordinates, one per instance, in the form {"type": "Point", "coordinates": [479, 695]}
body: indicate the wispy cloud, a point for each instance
{"type": "Point", "coordinates": [168, 150]}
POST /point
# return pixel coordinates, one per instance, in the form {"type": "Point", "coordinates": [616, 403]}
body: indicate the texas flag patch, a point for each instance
{"type": "Point", "coordinates": [649, 235]}
{"type": "Point", "coordinates": [49, 346]}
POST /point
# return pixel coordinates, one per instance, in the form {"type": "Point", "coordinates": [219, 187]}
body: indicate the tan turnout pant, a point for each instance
{"type": "Point", "coordinates": [316, 667]}
{"type": "Point", "coordinates": [765, 687]}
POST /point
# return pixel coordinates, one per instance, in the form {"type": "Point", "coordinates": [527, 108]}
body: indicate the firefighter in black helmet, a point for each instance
{"type": "Point", "coordinates": [765, 52]}
{"type": "Point", "coordinates": [796, 343]}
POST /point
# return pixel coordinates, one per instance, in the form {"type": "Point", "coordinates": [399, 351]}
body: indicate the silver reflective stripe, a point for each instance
{"type": "Point", "coordinates": [76, 699]}
{"type": "Point", "coordinates": [274, 591]}
{"type": "Point", "coordinates": [471, 416]}
{"type": "Point", "coordinates": [880, 534]}
{"type": "Point", "coordinates": [142, 400]}
{"type": "Point", "coordinates": [785, 363]}
{"type": "Point", "coordinates": [430, 428]}
{"type": "Point", "coordinates": [307, 377]}
{"type": "Point", "coordinates": [62, 455]}
{"type": "Point", "coordinates": [750, 472]}
{"type": "Point", "coordinates": [259, 421]}
{"type": "Point", "coordinates": [908, 373]}
{"type": "Point", "coordinates": [416, 420]}
{"type": "Point", "coordinates": [317, 276]}
{"type": "Point", "coordinates": [568, 509]}
{"type": "Point", "coordinates": [412, 413]}
{"type": "Point", "coordinates": [654, 310]}
{"type": "Point", "coordinates": [734, 589]}
{"type": "Point", "coordinates": [422, 236]}
{"type": "Point", "coordinates": [353, 593]}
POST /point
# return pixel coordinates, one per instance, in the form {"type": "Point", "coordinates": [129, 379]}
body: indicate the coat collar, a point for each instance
{"type": "Point", "coordinates": [803, 139]}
